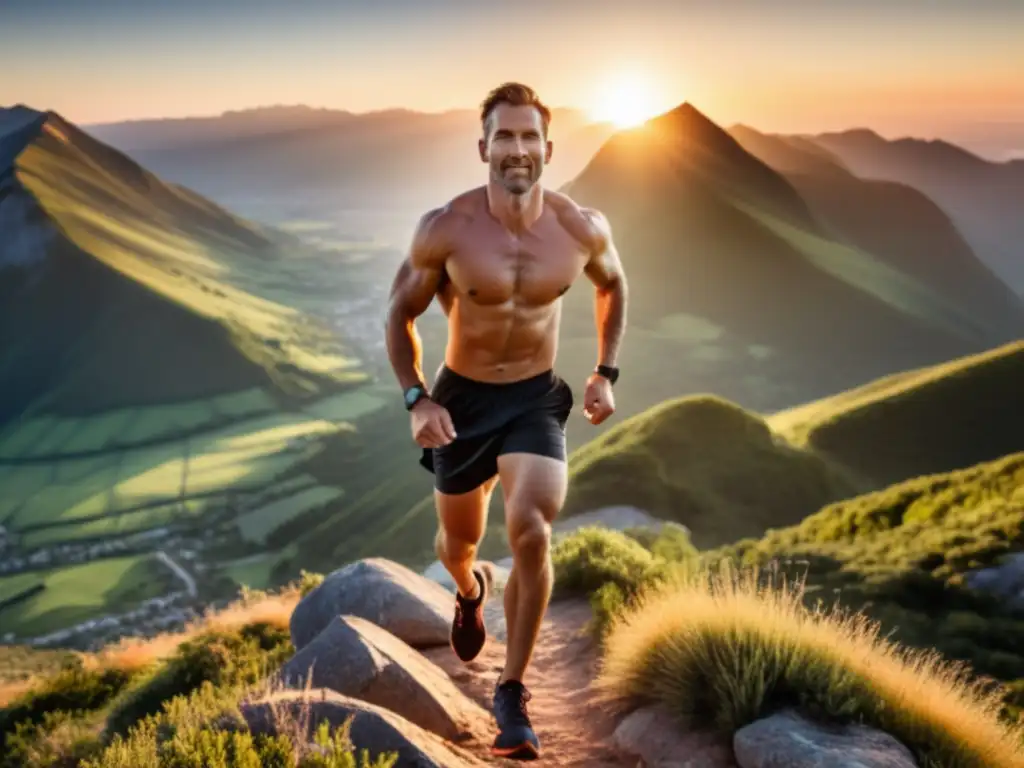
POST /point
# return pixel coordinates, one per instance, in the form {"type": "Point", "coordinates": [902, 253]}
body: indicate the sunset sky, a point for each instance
{"type": "Point", "coordinates": [925, 66]}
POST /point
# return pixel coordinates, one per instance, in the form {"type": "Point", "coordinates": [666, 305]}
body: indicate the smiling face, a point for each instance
{"type": "Point", "coordinates": [514, 146]}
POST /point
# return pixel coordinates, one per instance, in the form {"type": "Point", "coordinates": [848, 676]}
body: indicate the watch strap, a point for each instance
{"type": "Point", "coordinates": [608, 371]}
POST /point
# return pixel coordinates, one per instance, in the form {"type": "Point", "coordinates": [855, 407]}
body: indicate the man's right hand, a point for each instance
{"type": "Point", "coordinates": [431, 424]}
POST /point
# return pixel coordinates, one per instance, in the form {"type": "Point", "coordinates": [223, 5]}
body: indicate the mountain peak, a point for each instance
{"type": "Point", "coordinates": [19, 125]}
{"type": "Point", "coordinates": [686, 115]}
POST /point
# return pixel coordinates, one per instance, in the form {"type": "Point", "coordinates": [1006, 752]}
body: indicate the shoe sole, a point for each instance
{"type": "Point", "coordinates": [525, 751]}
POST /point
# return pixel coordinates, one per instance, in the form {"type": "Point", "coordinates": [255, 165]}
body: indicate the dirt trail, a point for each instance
{"type": "Point", "coordinates": [572, 731]}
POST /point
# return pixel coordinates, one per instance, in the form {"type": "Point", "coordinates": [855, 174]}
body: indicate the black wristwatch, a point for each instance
{"type": "Point", "coordinates": [609, 372]}
{"type": "Point", "coordinates": [413, 395]}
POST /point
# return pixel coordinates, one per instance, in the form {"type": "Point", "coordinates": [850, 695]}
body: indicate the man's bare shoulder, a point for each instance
{"type": "Point", "coordinates": [588, 226]}
{"type": "Point", "coordinates": [438, 229]}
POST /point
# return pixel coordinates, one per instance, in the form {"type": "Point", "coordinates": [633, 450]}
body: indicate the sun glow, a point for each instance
{"type": "Point", "coordinates": [625, 100]}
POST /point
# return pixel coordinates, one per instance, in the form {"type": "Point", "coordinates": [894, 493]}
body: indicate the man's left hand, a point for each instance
{"type": "Point", "coordinates": [598, 400]}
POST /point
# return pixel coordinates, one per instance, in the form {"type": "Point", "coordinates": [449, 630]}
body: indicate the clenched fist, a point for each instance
{"type": "Point", "coordinates": [598, 400]}
{"type": "Point", "coordinates": [431, 424]}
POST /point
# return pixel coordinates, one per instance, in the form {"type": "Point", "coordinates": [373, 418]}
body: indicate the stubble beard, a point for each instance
{"type": "Point", "coordinates": [516, 185]}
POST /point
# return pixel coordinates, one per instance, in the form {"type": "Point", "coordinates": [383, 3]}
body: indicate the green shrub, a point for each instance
{"type": "Point", "coordinates": [205, 730]}
{"type": "Point", "coordinates": [74, 689]}
{"type": "Point", "coordinates": [672, 542]}
{"type": "Point", "coordinates": [309, 581]}
{"type": "Point", "coordinates": [60, 739]}
{"type": "Point", "coordinates": [611, 567]}
{"type": "Point", "coordinates": [591, 557]}
{"type": "Point", "coordinates": [223, 658]}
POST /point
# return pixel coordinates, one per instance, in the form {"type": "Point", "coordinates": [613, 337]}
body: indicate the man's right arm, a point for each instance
{"type": "Point", "coordinates": [412, 290]}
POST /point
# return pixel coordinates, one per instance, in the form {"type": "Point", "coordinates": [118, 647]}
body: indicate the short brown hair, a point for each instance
{"type": "Point", "coordinates": [518, 95]}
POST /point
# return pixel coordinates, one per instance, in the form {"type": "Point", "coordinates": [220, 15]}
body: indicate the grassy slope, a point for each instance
{"type": "Point", "coordinates": [918, 421]}
{"type": "Point", "coordinates": [706, 463]}
{"type": "Point", "coordinates": [727, 473]}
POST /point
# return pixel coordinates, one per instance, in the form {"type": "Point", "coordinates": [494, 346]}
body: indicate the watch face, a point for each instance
{"type": "Point", "coordinates": [412, 394]}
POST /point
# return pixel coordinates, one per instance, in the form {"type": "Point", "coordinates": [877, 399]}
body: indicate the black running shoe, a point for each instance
{"type": "Point", "coordinates": [516, 739]}
{"type": "Point", "coordinates": [468, 630]}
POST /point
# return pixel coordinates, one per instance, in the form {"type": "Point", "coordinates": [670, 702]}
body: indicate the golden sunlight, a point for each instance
{"type": "Point", "coordinates": [625, 100]}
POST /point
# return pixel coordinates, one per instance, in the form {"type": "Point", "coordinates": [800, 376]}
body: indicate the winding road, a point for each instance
{"type": "Point", "coordinates": [181, 573]}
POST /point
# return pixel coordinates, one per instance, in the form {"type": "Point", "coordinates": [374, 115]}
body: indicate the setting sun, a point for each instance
{"type": "Point", "coordinates": [625, 100]}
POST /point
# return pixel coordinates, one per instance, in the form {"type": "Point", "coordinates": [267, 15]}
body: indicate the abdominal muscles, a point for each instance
{"type": "Point", "coordinates": [502, 342]}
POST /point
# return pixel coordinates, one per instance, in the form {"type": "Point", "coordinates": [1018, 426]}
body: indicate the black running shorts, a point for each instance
{"type": "Point", "coordinates": [526, 416]}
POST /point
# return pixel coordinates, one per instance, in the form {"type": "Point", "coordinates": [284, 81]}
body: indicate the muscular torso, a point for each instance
{"type": "Point", "coordinates": [502, 291]}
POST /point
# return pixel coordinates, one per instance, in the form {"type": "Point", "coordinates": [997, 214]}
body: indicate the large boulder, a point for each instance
{"type": "Point", "coordinates": [410, 606]}
{"type": "Point", "coordinates": [373, 728]}
{"type": "Point", "coordinates": [654, 736]}
{"type": "Point", "coordinates": [356, 658]}
{"type": "Point", "coordinates": [789, 740]}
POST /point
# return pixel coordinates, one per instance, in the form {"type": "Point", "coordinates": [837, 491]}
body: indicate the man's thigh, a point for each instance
{"type": "Point", "coordinates": [463, 516]}
{"type": "Point", "coordinates": [535, 487]}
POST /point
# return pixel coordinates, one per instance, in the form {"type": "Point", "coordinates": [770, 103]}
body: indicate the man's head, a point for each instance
{"type": "Point", "coordinates": [515, 136]}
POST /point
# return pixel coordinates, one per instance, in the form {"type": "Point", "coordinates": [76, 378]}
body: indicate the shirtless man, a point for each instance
{"type": "Point", "coordinates": [499, 258]}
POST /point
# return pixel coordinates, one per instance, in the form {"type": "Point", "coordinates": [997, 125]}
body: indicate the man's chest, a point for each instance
{"type": "Point", "coordinates": [493, 266]}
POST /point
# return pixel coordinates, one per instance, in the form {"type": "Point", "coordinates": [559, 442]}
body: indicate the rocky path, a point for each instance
{"type": "Point", "coordinates": [572, 731]}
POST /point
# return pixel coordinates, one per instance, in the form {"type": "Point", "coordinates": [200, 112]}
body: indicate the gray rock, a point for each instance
{"type": "Point", "coordinates": [658, 739]}
{"type": "Point", "coordinates": [1006, 579]}
{"type": "Point", "coordinates": [373, 728]}
{"type": "Point", "coordinates": [409, 606]}
{"type": "Point", "coordinates": [788, 740]}
{"type": "Point", "coordinates": [617, 518]}
{"type": "Point", "coordinates": [361, 660]}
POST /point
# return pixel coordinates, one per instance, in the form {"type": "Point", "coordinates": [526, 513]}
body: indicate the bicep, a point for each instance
{"type": "Point", "coordinates": [604, 268]}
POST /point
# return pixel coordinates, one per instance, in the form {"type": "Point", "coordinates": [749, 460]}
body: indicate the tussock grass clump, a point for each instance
{"type": "Point", "coordinates": [904, 556]}
{"type": "Point", "coordinates": [722, 648]}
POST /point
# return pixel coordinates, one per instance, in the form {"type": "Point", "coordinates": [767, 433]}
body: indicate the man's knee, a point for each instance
{"type": "Point", "coordinates": [451, 546]}
{"type": "Point", "coordinates": [529, 533]}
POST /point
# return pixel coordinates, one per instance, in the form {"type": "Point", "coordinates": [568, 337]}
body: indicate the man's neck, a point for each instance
{"type": "Point", "coordinates": [516, 212]}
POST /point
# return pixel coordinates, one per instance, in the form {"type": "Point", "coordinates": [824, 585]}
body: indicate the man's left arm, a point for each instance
{"type": "Point", "coordinates": [605, 271]}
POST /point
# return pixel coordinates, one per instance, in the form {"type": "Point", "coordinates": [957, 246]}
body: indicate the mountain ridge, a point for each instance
{"type": "Point", "coordinates": [897, 221]}
{"type": "Point", "coordinates": [984, 197]}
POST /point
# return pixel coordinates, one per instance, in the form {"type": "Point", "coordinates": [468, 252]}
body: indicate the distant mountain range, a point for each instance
{"type": "Point", "coordinates": [392, 157]}
{"type": "Point", "coordinates": [403, 158]}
